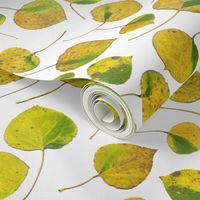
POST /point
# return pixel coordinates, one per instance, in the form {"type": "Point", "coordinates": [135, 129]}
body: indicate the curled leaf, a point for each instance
{"type": "Point", "coordinates": [2, 19]}
{"type": "Point", "coordinates": [115, 11]}
{"type": "Point", "coordinates": [39, 14]}
{"type": "Point", "coordinates": [114, 70]}
{"type": "Point", "coordinates": [155, 91]}
{"type": "Point", "coordinates": [6, 77]}
{"type": "Point", "coordinates": [184, 138]}
{"type": "Point", "coordinates": [81, 54]}
{"type": "Point", "coordinates": [13, 172]}
{"type": "Point", "coordinates": [178, 52]}
{"type": "Point", "coordinates": [18, 60]}
{"type": "Point", "coordinates": [189, 91]}
{"type": "Point", "coordinates": [138, 22]}
{"type": "Point", "coordinates": [183, 184]}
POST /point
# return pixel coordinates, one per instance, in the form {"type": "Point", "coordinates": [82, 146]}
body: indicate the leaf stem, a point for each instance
{"type": "Point", "coordinates": [37, 177]}
{"type": "Point", "coordinates": [172, 17]}
{"type": "Point", "coordinates": [9, 36]}
{"type": "Point", "coordinates": [152, 131]}
{"type": "Point", "coordinates": [5, 95]}
{"type": "Point", "coordinates": [42, 95]}
{"type": "Point", "coordinates": [181, 110]}
{"type": "Point", "coordinates": [71, 5]}
{"type": "Point", "coordinates": [85, 33]}
{"type": "Point", "coordinates": [63, 189]}
{"type": "Point", "coordinates": [103, 29]}
{"type": "Point", "coordinates": [131, 94]}
{"type": "Point", "coordinates": [7, 8]}
{"type": "Point", "coordinates": [92, 136]}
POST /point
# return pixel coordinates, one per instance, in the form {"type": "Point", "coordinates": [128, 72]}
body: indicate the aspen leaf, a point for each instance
{"type": "Point", "coordinates": [115, 11]}
{"type": "Point", "coordinates": [190, 91]}
{"type": "Point", "coordinates": [178, 52]}
{"type": "Point", "coordinates": [114, 70]}
{"type": "Point", "coordinates": [183, 184]}
{"type": "Point", "coordinates": [6, 77]}
{"type": "Point", "coordinates": [13, 172]}
{"type": "Point", "coordinates": [155, 91]}
{"type": "Point", "coordinates": [138, 22]}
{"type": "Point", "coordinates": [184, 138]}
{"type": "Point", "coordinates": [2, 19]}
{"type": "Point", "coordinates": [65, 77]}
{"type": "Point", "coordinates": [79, 82]}
{"type": "Point", "coordinates": [81, 54]}
{"type": "Point", "coordinates": [39, 14]}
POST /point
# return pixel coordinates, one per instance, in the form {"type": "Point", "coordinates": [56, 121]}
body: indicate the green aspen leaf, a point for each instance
{"type": "Point", "coordinates": [81, 54]}
{"type": "Point", "coordinates": [6, 77]}
{"type": "Point", "coordinates": [189, 91]}
{"type": "Point", "coordinates": [183, 184]}
{"type": "Point", "coordinates": [43, 128]}
{"type": "Point", "coordinates": [186, 5]}
{"type": "Point", "coordinates": [114, 70]}
{"type": "Point", "coordinates": [184, 138]}
{"type": "Point", "coordinates": [138, 22]}
{"type": "Point", "coordinates": [123, 166]}
{"type": "Point", "coordinates": [155, 91]}
{"type": "Point", "coordinates": [18, 60]}
{"type": "Point", "coordinates": [135, 198]}
{"type": "Point", "coordinates": [39, 14]}
{"type": "Point", "coordinates": [2, 19]}
{"type": "Point", "coordinates": [115, 11]}
{"type": "Point", "coordinates": [178, 52]}
{"type": "Point", "coordinates": [79, 82]}
{"type": "Point", "coordinates": [65, 77]}
{"type": "Point", "coordinates": [83, 1]}
{"type": "Point", "coordinates": [13, 172]}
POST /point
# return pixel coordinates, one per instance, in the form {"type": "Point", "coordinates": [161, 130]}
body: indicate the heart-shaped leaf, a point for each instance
{"type": "Point", "coordinates": [178, 52]}
{"type": "Point", "coordinates": [184, 138]}
{"type": "Point", "coordinates": [43, 128]}
{"type": "Point", "coordinates": [189, 91]}
{"type": "Point", "coordinates": [83, 1]}
{"type": "Point", "coordinates": [138, 22]}
{"type": "Point", "coordinates": [115, 11]}
{"type": "Point", "coordinates": [155, 91]}
{"type": "Point", "coordinates": [6, 77]}
{"type": "Point", "coordinates": [13, 172]}
{"type": "Point", "coordinates": [114, 70]}
{"type": "Point", "coordinates": [186, 5]}
{"type": "Point", "coordinates": [65, 77]}
{"type": "Point", "coordinates": [81, 54]}
{"type": "Point", "coordinates": [183, 184]}
{"type": "Point", "coordinates": [39, 14]}
{"type": "Point", "coordinates": [18, 60]}
{"type": "Point", "coordinates": [2, 19]}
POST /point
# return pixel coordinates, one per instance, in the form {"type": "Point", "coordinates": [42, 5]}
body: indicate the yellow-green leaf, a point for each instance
{"type": "Point", "coordinates": [13, 171]}
{"type": "Point", "coordinates": [81, 54]}
{"type": "Point", "coordinates": [178, 52]}
{"type": "Point", "coordinates": [189, 91]}
{"type": "Point", "coordinates": [65, 77]}
{"type": "Point", "coordinates": [184, 138]}
{"type": "Point", "coordinates": [186, 5]}
{"type": "Point", "coordinates": [115, 11]}
{"type": "Point", "coordinates": [123, 165]}
{"type": "Point", "coordinates": [83, 1]}
{"type": "Point", "coordinates": [183, 184]}
{"type": "Point", "coordinates": [155, 91]}
{"type": "Point", "coordinates": [79, 82]}
{"type": "Point", "coordinates": [6, 77]}
{"type": "Point", "coordinates": [114, 70]}
{"type": "Point", "coordinates": [18, 60]}
{"type": "Point", "coordinates": [39, 14]}
{"type": "Point", "coordinates": [2, 19]}
{"type": "Point", "coordinates": [43, 128]}
{"type": "Point", "coordinates": [138, 22]}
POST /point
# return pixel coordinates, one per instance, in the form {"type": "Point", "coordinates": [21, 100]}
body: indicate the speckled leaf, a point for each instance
{"type": "Point", "coordinates": [155, 92]}
{"type": "Point", "coordinates": [186, 5]}
{"type": "Point", "coordinates": [81, 54]}
{"type": "Point", "coordinates": [184, 138]}
{"type": "Point", "coordinates": [138, 22]}
{"type": "Point", "coordinates": [6, 77]}
{"type": "Point", "coordinates": [83, 1]}
{"type": "Point", "coordinates": [18, 60]}
{"type": "Point", "coordinates": [13, 172]}
{"type": "Point", "coordinates": [43, 128]}
{"type": "Point", "coordinates": [123, 165]}
{"type": "Point", "coordinates": [2, 19]}
{"type": "Point", "coordinates": [183, 184]}
{"type": "Point", "coordinates": [39, 14]}
{"type": "Point", "coordinates": [65, 77]}
{"type": "Point", "coordinates": [114, 70]}
{"type": "Point", "coordinates": [178, 52]}
{"type": "Point", "coordinates": [115, 11]}
{"type": "Point", "coordinates": [189, 91]}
